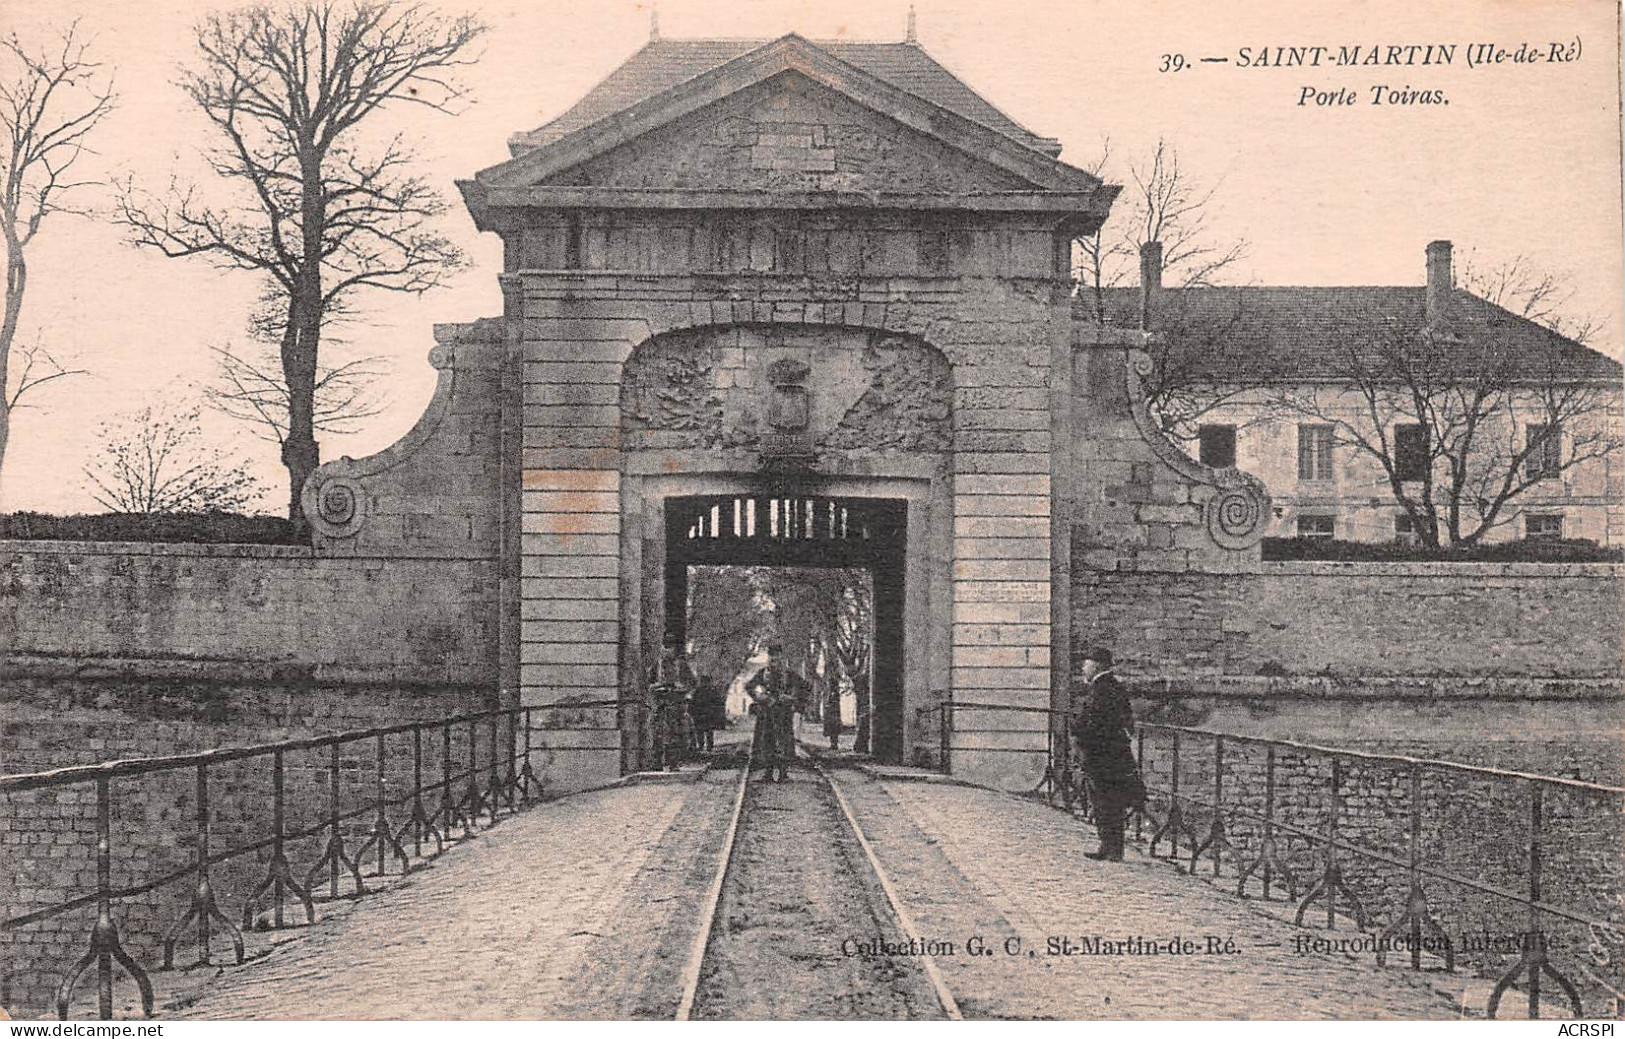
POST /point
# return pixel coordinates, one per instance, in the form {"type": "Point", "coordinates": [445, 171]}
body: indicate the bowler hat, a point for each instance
{"type": "Point", "coordinates": [1100, 655]}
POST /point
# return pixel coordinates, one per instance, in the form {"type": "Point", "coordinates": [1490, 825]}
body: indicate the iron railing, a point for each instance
{"type": "Point", "coordinates": [494, 773]}
{"type": "Point", "coordinates": [1226, 805]}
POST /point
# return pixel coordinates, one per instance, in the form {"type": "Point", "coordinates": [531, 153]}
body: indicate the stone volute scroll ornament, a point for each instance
{"type": "Point", "coordinates": [1238, 511]}
{"type": "Point", "coordinates": [335, 498]}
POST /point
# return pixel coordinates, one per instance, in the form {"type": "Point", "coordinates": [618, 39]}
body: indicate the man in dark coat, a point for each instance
{"type": "Point", "coordinates": [1101, 723]}
{"type": "Point", "coordinates": [707, 710]}
{"type": "Point", "coordinates": [775, 691]}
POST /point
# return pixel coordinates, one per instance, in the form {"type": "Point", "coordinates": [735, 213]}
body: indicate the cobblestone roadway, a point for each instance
{"type": "Point", "coordinates": [498, 929]}
{"type": "Point", "coordinates": [971, 861]}
{"type": "Point", "coordinates": [521, 921]}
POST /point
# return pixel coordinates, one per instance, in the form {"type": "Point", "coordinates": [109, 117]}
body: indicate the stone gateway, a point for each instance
{"type": "Point", "coordinates": [789, 274]}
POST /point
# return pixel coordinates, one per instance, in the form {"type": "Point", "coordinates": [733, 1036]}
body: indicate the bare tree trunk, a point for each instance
{"type": "Point", "coordinates": [16, 283]}
{"type": "Point", "coordinates": [300, 452]}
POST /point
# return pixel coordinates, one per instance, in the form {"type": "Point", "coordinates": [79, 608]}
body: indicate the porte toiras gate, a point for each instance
{"type": "Point", "coordinates": [784, 530]}
{"type": "Point", "coordinates": [739, 273]}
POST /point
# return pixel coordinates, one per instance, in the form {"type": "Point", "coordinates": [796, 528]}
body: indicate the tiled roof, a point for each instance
{"type": "Point", "coordinates": [663, 64]}
{"type": "Point", "coordinates": [1291, 332]}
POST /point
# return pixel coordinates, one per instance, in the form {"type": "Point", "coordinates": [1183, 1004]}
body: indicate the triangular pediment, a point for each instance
{"type": "Point", "coordinates": [789, 115]}
{"type": "Point", "coordinates": [791, 132]}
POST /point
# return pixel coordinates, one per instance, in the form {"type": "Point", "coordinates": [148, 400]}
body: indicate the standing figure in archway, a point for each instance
{"type": "Point", "coordinates": [776, 690]}
{"type": "Point", "coordinates": [832, 711]}
{"type": "Point", "coordinates": [1101, 725]}
{"type": "Point", "coordinates": [671, 682]}
{"type": "Point", "coordinates": [707, 711]}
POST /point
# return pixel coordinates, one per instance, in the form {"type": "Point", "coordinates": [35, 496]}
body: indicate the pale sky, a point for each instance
{"type": "Point", "coordinates": [1525, 159]}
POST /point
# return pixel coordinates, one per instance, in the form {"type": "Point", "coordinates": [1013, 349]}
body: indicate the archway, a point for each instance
{"type": "Point", "coordinates": [782, 529]}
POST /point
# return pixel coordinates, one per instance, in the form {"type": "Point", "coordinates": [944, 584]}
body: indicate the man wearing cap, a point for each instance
{"type": "Point", "coordinates": [775, 690]}
{"type": "Point", "coordinates": [1101, 723]}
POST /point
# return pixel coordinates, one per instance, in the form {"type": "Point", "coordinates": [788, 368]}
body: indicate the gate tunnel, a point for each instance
{"type": "Point", "coordinates": [798, 531]}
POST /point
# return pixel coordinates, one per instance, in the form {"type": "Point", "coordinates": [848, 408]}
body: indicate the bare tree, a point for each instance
{"type": "Point", "coordinates": [306, 203]}
{"type": "Point", "coordinates": [1486, 420]}
{"type": "Point", "coordinates": [1103, 259]}
{"type": "Point", "coordinates": [156, 460]}
{"type": "Point", "coordinates": [1521, 287]}
{"type": "Point", "coordinates": [1210, 352]}
{"type": "Point", "coordinates": [251, 390]}
{"type": "Point", "coordinates": [1205, 353]}
{"type": "Point", "coordinates": [1172, 207]}
{"type": "Point", "coordinates": [34, 366]}
{"type": "Point", "coordinates": [50, 102]}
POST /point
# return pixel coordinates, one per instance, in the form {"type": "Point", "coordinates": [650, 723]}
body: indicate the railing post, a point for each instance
{"type": "Point", "coordinates": [1416, 916]}
{"type": "Point", "coordinates": [279, 876]}
{"type": "Point", "coordinates": [422, 824]}
{"type": "Point", "coordinates": [1331, 878]}
{"type": "Point", "coordinates": [1269, 849]}
{"type": "Point", "coordinates": [1331, 837]}
{"type": "Point", "coordinates": [445, 779]}
{"type": "Point", "coordinates": [203, 908]}
{"type": "Point", "coordinates": [105, 947]}
{"type": "Point", "coordinates": [1269, 820]}
{"type": "Point", "coordinates": [495, 790]}
{"type": "Point", "coordinates": [512, 779]}
{"type": "Point", "coordinates": [527, 776]}
{"type": "Point", "coordinates": [1176, 811]}
{"type": "Point", "coordinates": [382, 833]}
{"type": "Point", "coordinates": [1216, 838]}
{"type": "Point", "coordinates": [475, 802]}
{"type": "Point", "coordinates": [1139, 759]}
{"type": "Point", "coordinates": [334, 856]}
{"type": "Point", "coordinates": [1534, 957]}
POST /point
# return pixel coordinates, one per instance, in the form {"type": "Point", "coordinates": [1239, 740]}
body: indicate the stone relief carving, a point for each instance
{"type": "Point", "coordinates": [908, 405]}
{"type": "Point", "coordinates": [674, 388]}
{"type": "Point", "coordinates": [844, 390]}
{"type": "Point", "coordinates": [800, 136]}
{"type": "Point", "coordinates": [1237, 513]}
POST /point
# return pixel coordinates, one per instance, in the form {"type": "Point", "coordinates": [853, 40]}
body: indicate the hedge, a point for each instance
{"type": "Point", "coordinates": [1538, 550]}
{"type": "Point", "coordinates": [211, 528]}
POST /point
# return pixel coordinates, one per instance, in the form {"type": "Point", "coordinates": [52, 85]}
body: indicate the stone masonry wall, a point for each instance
{"type": "Point", "coordinates": [116, 651]}
{"type": "Point", "coordinates": [1371, 620]}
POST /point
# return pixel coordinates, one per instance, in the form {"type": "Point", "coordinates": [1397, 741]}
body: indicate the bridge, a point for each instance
{"type": "Point", "coordinates": [420, 871]}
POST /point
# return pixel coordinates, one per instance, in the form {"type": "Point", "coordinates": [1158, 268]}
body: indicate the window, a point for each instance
{"type": "Point", "coordinates": [1315, 453]}
{"type": "Point", "coordinates": [1410, 452]}
{"type": "Point", "coordinates": [1218, 446]}
{"type": "Point", "coordinates": [1545, 457]}
{"type": "Point", "coordinates": [1323, 527]}
{"type": "Point", "coordinates": [1544, 525]}
{"type": "Point", "coordinates": [1404, 528]}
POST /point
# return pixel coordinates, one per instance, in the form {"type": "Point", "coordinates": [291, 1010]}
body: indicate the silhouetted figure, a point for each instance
{"type": "Point", "coordinates": [671, 680]}
{"type": "Point", "coordinates": [1101, 724]}
{"type": "Point", "coordinates": [776, 690]}
{"type": "Point", "coordinates": [707, 710]}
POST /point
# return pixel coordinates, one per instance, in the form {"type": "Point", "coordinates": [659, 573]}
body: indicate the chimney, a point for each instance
{"type": "Point", "coordinates": [911, 36]}
{"type": "Point", "coordinates": [654, 23]}
{"type": "Point", "coordinates": [1441, 283]}
{"type": "Point", "coordinates": [1150, 280]}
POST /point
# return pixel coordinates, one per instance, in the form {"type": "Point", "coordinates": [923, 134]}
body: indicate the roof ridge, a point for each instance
{"type": "Point", "coordinates": [666, 63]}
{"type": "Point", "coordinates": [944, 66]}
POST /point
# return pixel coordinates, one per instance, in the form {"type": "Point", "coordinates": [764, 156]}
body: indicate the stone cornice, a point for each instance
{"type": "Point", "coordinates": [485, 201]}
